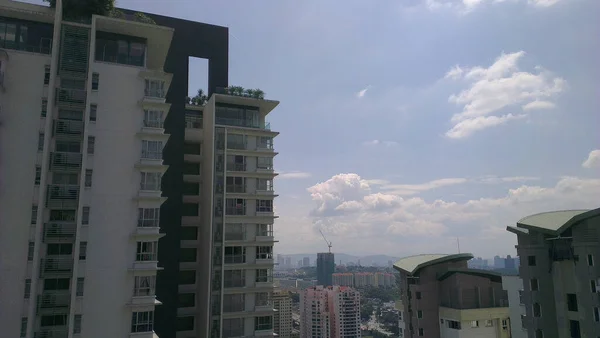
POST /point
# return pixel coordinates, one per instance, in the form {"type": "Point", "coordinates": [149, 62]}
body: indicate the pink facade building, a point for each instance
{"type": "Point", "coordinates": [329, 312]}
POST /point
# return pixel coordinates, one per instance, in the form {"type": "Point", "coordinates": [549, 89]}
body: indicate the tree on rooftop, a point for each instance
{"type": "Point", "coordinates": [84, 8]}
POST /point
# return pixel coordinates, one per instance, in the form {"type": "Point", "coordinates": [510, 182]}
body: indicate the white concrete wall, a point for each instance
{"type": "Point", "coordinates": [113, 211]}
{"type": "Point", "coordinates": [512, 285]}
{"type": "Point", "coordinates": [20, 123]}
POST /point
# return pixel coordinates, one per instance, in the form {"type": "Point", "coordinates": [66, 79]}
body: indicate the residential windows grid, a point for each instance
{"type": "Point", "coordinates": [82, 251]}
{"type": "Point", "coordinates": [264, 142]}
{"type": "Point", "coordinates": [88, 178]}
{"type": "Point", "coordinates": [27, 292]}
{"type": "Point", "coordinates": [142, 321]}
{"type": "Point", "coordinates": [236, 163]}
{"type": "Point", "coordinates": [263, 323]}
{"type": "Point", "coordinates": [264, 205]}
{"type": "Point", "coordinates": [34, 211]}
{"type": "Point", "coordinates": [262, 299]}
{"type": "Point", "coordinates": [152, 150]}
{"type": "Point", "coordinates": [146, 251]}
{"type": "Point", "coordinates": [144, 286]}
{"type": "Point", "coordinates": [77, 324]}
{"type": "Point", "coordinates": [41, 142]}
{"type": "Point", "coordinates": [46, 75]}
{"type": "Point", "coordinates": [236, 141]}
{"type": "Point", "coordinates": [264, 252]}
{"type": "Point", "coordinates": [38, 175]}
{"type": "Point", "coordinates": [44, 107]}
{"type": "Point", "coordinates": [150, 181]}
{"type": "Point", "coordinates": [93, 112]}
{"type": "Point", "coordinates": [234, 278]}
{"type": "Point", "coordinates": [153, 118]}
{"type": "Point", "coordinates": [148, 217]}
{"type": "Point", "coordinates": [234, 302]}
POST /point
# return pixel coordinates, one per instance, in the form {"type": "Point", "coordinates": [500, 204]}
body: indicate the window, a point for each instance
{"type": "Point", "coordinates": [187, 255]}
{"type": "Point", "coordinates": [235, 206]}
{"type": "Point", "coordinates": [91, 145]}
{"type": "Point", "coordinates": [597, 314]}
{"type": "Point", "coordinates": [55, 284]}
{"type": "Point", "coordinates": [79, 287]}
{"type": "Point", "coordinates": [233, 327]}
{"type": "Point", "coordinates": [504, 324]}
{"type": "Point", "coordinates": [68, 147]}
{"type": "Point", "coordinates": [264, 163]}
{"type": "Point", "coordinates": [236, 141]}
{"type": "Point", "coordinates": [38, 175]}
{"type": "Point", "coordinates": [93, 112]}
{"type": "Point", "coordinates": [419, 314]}
{"type": "Point", "coordinates": [264, 142]}
{"type": "Point", "coordinates": [41, 142]}
{"type": "Point", "coordinates": [264, 252]}
{"type": "Point", "coordinates": [189, 233]}
{"type": "Point", "coordinates": [150, 181]}
{"type": "Point", "coordinates": [575, 329]}
{"type": "Point", "coordinates": [264, 184]}
{"type": "Point", "coordinates": [44, 107]}
{"type": "Point", "coordinates": [144, 286]}
{"type": "Point", "coordinates": [34, 211]}
{"type": "Point", "coordinates": [146, 251]}
{"type": "Point", "coordinates": [152, 149]}
{"type": "Point", "coordinates": [120, 49]}
{"type": "Point", "coordinates": [82, 250]}
{"type": "Point", "coordinates": [590, 260]}
{"type": "Point", "coordinates": [572, 302]}
{"type": "Point", "coordinates": [489, 323]}
{"type": "Point", "coordinates": [95, 80]}
{"type": "Point", "coordinates": [85, 216]}
{"type": "Point", "coordinates": [418, 294]}
{"type": "Point", "coordinates": [77, 324]}
{"type": "Point", "coordinates": [88, 178]}
{"type": "Point", "coordinates": [537, 310]}
{"type": "Point", "coordinates": [235, 184]}
{"type": "Point", "coordinates": [539, 333]}
{"type": "Point", "coordinates": [264, 205]}
{"type": "Point", "coordinates": [186, 299]}
{"type": "Point", "coordinates": [264, 275]}
{"type": "Point", "coordinates": [153, 118]}
{"type": "Point", "coordinates": [234, 302]}
{"type": "Point", "coordinates": [534, 284]}
{"type": "Point", "coordinates": [46, 75]}
{"type": "Point", "coordinates": [186, 324]}
{"type": "Point", "coordinates": [59, 249]}
{"type": "Point", "coordinates": [521, 297]}
{"type": "Point", "coordinates": [235, 254]}
{"type": "Point", "coordinates": [236, 163]}
{"type": "Point", "coordinates": [30, 251]}
{"type": "Point", "coordinates": [262, 299]}
{"type": "Point", "coordinates": [73, 115]}
{"type": "Point", "coordinates": [23, 326]}
{"type": "Point", "coordinates": [142, 321]}
{"type": "Point", "coordinates": [234, 278]}
{"type": "Point", "coordinates": [235, 232]}
{"type": "Point", "coordinates": [421, 332]}
{"type": "Point", "coordinates": [187, 277]}
{"type": "Point", "coordinates": [264, 230]}
{"type": "Point", "coordinates": [531, 260]}
{"type": "Point", "coordinates": [27, 292]}
{"type": "Point", "coordinates": [263, 323]}
{"type": "Point", "coordinates": [148, 217]}
{"type": "Point", "coordinates": [155, 88]}
{"type": "Point", "coordinates": [474, 323]}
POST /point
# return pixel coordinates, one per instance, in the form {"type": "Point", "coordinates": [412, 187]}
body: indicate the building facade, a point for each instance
{"type": "Point", "coordinates": [560, 273]}
{"type": "Point", "coordinates": [329, 312]}
{"type": "Point", "coordinates": [516, 307]}
{"type": "Point", "coordinates": [440, 297]}
{"type": "Point", "coordinates": [282, 324]}
{"type": "Point", "coordinates": [325, 268]}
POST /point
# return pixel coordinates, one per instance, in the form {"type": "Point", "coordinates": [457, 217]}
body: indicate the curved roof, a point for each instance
{"type": "Point", "coordinates": [412, 264]}
{"type": "Point", "coordinates": [555, 221]}
{"type": "Point", "coordinates": [491, 275]}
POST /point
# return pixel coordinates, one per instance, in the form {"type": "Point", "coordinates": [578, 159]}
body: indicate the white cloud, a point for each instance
{"type": "Point", "coordinates": [544, 3]}
{"type": "Point", "coordinates": [293, 175]}
{"type": "Point", "coordinates": [380, 143]}
{"type": "Point", "coordinates": [490, 179]}
{"type": "Point", "coordinates": [359, 216]}
{"type": "Point", "coordinates": [466, 6]}
{"type": "Point", "coordinates": [593, 160]}
{"type": "Point", "coordinates": [493, 90]}
{"type": "Point", "coordinates": [537, 104]}
{"type": "Point", "coordinates": [362, 93]}
{"type": "Point", "coordinates": [412, 189]}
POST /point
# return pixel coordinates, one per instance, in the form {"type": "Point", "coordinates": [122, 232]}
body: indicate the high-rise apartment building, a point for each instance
{"type": "Point", "coordinates": [325, 268]}
{"type": "Point", "coordinates": [516, 305]}
{"type": "Point", "coordinates": [343, 279]}
{"type": "Point", "coordinates": [306, 261]}
{"type": "Point", "coordinates": [329, 312]}
{"type": "Point", "coordinates": [441, 297]}
{"type": "Point", "coordinates": [282, 320]}
{"type": "Point", "coordinates": [91, 184]}
{"type": "Point", "coordinates": [560, 253]}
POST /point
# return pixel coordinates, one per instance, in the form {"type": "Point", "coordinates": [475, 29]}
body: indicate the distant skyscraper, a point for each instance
{"type": "Point", "coordinates": [509, 262]}
{"type": "Point", "coordinates": [288, 262]}
{"type": "Point", "coordinates": [325, 268]}
{"type": "Point", "coordinates": [306, 261]}
{"type": "Point", "coordinates": [282, 318]}
{"type": "Point", "coordinates": [329, 312]}
{"type": "Point", "coordinates": [280, 261]}
{"type": "Point", "coordinates": [498, 262]}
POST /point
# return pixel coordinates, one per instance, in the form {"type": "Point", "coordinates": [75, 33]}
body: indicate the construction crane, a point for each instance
{"type": "Point", "coordinates": [326, 241]}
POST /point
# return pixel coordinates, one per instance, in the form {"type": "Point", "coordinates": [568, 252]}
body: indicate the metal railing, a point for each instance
{"type": "Point", "coordinates": [52, 333]}
{"type": "Point", "coordinates": [153, 124]}
{"type": "Point", "coordinates": [56, 265]}
{"type": "Point", "coordinates": [237, 145]}
{"type": "Point", "coordinates": [62, 195]}
{"type": "Point", "coordinates": [148, 223]}
{"type": "Point", "coordinates": [236, 166]}
{"type": "Point", "coordinates": [235, 211]}
{"type": "Point", "coordinates": [54, 299]}
{"type": "Point", "coordinates": [71, 98]}
{"type": "Point", "coordinates": [193, 122]}
{"type": "Point", "coordinates": [232, 188]}
{"type": "Point", "coordinates": [57, 231]}
{"type": "Point", "coordinates": [64, 161]}
{"type": "Point", "coordinates": [151, 155]}
{"type": "Point", "coordinates": [241, 123]}
{"type": "Point", "coordinates": [155, 93]}
{"type": "Point", "coordinates": [68, 127]}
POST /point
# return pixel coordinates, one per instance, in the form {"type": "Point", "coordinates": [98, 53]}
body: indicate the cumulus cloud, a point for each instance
{"type": "Point", "coordinates": [293, 175]}
{"type": "Point", "coordinates": [359, 213]}
{"type": "Point", "coordinates": [466, 6]}
{"type": "Point", "coordinates": [493, 90]}
{"type": "Point", "coordinates": [412, 189]}
{"type": "Point", "coordinates": [380, 143]}
{"type": "Point", "coordinates": [593, 160]}
{"type": "Point", "coordinates": [362, 93]}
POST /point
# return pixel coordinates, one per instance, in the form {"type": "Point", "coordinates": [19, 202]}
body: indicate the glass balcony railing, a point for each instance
{"type": "Point", "coordinates": [242, 123]}
{"type": "Point", "coordinates": [153, 124]}
{"type": "Point", "coordinates": [155, 93]}
{"type": "Point", "coordinates": [193, 122]}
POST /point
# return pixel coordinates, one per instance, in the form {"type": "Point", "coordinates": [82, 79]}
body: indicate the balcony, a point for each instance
{"type": "Point", "coordinates": [235, 211]}
{"type": "Point", "coordinates": [193, 122]}
{"type": "Point", "coordinates": [235, 189]}
{"type": "Point", "coordinates": [236, 167]}
{"type": "Point", "coordinates": [71, 98]}
{"type": "Point", "coordinates": [265, 236]}
{"type": "Point", "coordinates": [52, 332]}
{"type": "Point", "coordinates": [154, 94]}
{"type": "Point", "coordinates": [237, 145]}
{"type": "Point", "coordinates": [64, 161]}
{"type": "Point", "coordinates": [242, 123]}
{"type": "Point", "coordinates": [264, 333]}
{"type": "Point", "coordinates": [265, 212]}
{"type": "Point", "coordinates": [62, 195]}
{"type": "Point", "coordinates": [152, 127]}
{"type": "Point", "coordinates": [59, 232]}
{"type": "Point", "coordinates": [53, 300]}
{"type": "Point", "coordinates": [68, 128]}
{"type": "Point", "coordinates": [151, 158]}
{"type": "Point", "coordinates": [263, 305]}
{"type": "Point", "coordinates": [264, 282]}
{"type": "Point", "coordinates": [265, 260]}
{"type": "Point", "coordinates": [57, 265]}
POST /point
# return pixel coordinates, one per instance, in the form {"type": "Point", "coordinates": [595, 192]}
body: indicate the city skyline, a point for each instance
{"type": "Point", "coordinates": [392, 173]}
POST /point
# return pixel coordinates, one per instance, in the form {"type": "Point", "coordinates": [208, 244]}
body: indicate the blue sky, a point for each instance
{"type": "Point", "coordinates": [406, 124]}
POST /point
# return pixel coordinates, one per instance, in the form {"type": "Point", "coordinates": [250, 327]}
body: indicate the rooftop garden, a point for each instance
{"type": "Point", "coordinates": [201, 98]}
{"type": "Point", "coordinates": [82, 10]}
